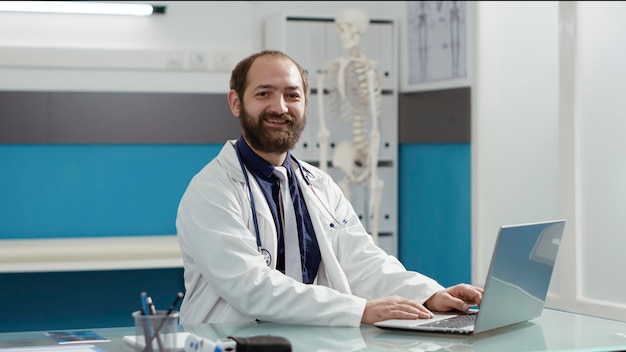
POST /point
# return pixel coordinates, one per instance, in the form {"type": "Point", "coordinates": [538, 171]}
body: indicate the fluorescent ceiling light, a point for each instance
{"type": "Point", "coordinates": [81, 7]}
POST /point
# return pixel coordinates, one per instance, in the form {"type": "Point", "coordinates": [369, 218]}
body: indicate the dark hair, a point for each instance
{"type": "Point", "coordinates": [239, 75]}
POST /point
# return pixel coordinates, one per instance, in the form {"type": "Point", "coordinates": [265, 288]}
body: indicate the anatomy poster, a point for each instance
{"type": "Point", "coordinates": [436, 40]}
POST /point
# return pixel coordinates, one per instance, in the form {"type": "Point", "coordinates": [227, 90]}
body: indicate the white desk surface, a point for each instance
{"type": "Point", "coordinates": [553, 331]}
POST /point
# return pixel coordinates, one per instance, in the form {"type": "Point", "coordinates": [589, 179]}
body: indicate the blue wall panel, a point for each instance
{"type": "Point", "coordinates": [86, 191]}
{"type": "Point", "coordinates": [94, 190]}
{"type": "Point", "coordinates": [435, 210]}
{"type": "Point", "coordinates": [78, 300]}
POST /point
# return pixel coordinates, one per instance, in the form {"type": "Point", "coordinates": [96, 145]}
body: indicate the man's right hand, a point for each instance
{"type": "Point", "coordinates": [394, 307]}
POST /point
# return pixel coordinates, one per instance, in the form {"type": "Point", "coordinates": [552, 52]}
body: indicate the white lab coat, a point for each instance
{"type": "Point", "coordinates": [228, 280]}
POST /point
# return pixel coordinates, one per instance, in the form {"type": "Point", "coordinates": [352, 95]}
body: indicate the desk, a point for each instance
{"type": "Point", "coordinates": [554, 330]}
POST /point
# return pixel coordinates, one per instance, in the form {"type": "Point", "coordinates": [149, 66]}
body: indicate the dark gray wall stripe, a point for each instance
{"type": "Point", "coordinates": [97, 117]}
{"type": "Point", "coordinates": [23, 117]}
{"type": "Point", "coordinates": [440, 116]}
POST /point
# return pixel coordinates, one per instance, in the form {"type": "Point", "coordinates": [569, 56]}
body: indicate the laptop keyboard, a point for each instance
{"type": "Point", "coordinates": [457, 321]}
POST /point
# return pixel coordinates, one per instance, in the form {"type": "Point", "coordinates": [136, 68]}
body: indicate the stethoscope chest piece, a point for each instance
{"type": "Point", "coordinates": [267, 256]}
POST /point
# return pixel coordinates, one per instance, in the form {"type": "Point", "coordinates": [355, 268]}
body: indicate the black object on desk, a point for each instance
{"type": "Point", "coordinates": [266, 343]}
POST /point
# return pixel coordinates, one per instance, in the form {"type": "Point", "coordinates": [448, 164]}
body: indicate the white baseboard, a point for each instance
{"type": "Point", "coordinates": [95, 253]}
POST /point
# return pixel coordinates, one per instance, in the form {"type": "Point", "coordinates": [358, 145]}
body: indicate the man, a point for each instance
{"type": "Point", "coordinates": [231, 232]}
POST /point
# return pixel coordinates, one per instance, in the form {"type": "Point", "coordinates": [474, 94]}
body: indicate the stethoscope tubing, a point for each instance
{"type": "Point", "coordinates": [257, 233]}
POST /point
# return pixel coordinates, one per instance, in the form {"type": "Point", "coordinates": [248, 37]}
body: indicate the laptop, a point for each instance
{"type": "Point", "coordinates": [516, 287]}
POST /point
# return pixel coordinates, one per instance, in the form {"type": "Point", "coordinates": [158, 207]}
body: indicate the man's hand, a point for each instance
{"type": "Point", "coordinates": [458, 297]}
{"type": "Point", "coordinates": [394, 307]}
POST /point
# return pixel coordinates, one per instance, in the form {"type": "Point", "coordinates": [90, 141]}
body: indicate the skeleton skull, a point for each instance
{"type": "Point", "coordinates": [351, 23]}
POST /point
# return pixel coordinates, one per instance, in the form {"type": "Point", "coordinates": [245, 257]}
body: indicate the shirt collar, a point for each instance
{"type": "Point", "coordinates": [255, 163]}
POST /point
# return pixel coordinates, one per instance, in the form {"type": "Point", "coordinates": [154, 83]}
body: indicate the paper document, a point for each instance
{"type": "Point", "coordinates": [76, 337]}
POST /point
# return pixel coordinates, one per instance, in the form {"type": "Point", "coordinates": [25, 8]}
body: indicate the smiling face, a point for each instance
{"type": "Point", "coordinates": [272, 111]}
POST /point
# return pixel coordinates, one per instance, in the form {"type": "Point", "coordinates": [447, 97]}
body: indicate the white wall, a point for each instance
{"type": "Point", "coordinates": [547, 140]}
{"type": "Point", "coordinates": [596, 172]}
{"type": "Point", "coordinates": [187, 25]}
{"type": "Point", "coordinates": [515, 120]}
{"type": "Point", "coordinates": [231, 28]}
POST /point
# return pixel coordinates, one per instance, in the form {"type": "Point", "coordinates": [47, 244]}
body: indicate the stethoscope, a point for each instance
{"type": "Point", "coordinates": [304, 172]}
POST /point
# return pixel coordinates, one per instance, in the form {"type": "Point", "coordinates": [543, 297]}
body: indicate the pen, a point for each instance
{"type": "Point", "coordinates": [179, 296]}
{"type": "Point", "coordinates": [169, 311]}
{"type": "Point", "coordinates": [145, 310]}
{"type": "Point", "coordinates": [153, 312]}
{"type": "Point", "coordinates": [151, 307]}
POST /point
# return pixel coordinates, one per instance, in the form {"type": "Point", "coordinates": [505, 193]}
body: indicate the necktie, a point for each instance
{"type": "Point", "coordinates": [293, 264]}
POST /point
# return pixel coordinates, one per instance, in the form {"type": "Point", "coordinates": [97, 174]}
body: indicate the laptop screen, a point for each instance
{"type": "Point", "coordinates": [520, 273]}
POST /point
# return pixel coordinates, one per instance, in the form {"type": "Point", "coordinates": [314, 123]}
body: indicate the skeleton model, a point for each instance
{"type": "Point", "coordinates": [354, 94]}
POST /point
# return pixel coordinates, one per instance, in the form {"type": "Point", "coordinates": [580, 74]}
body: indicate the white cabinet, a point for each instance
{"type": "Point", "coordinates": [313, 41]}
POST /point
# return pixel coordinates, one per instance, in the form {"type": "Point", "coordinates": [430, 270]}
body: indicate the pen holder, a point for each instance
{"type": "Point", "coordinates": [156, 333]}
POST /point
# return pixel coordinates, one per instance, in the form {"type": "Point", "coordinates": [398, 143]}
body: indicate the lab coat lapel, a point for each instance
{"type": "Point", "coordinates": [267, 228]}
{"type": "Point", "coordinates": [330, 272]}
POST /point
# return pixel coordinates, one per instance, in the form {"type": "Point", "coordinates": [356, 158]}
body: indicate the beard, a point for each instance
{"type": "Point", "coordinates": [271, 140]}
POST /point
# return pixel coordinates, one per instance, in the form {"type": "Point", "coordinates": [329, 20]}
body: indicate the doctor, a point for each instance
{"type": "Point", "coordinates": [231, 233]}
